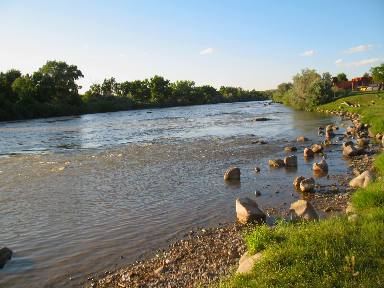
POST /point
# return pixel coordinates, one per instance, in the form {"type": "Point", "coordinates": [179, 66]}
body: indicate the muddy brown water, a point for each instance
{"type": "Point", "coordinates": [81, 195]}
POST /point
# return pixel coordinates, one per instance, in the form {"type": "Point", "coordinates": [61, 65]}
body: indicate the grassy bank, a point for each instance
{"type": "Point", "coordinates": [333, 252]}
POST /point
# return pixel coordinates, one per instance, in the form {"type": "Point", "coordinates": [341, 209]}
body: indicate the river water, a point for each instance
{"type": "Point", "coordinates": [80, 195]}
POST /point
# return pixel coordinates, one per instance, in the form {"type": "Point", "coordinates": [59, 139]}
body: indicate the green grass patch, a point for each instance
{"type": "Point", "coordinates": [369, 197]}
{"type": "Point", "coordinates": [379, 164]}
{"type": "Point", "coordinates": [371, 108]}
{"type": "Point", "coordinates": [329, 253]}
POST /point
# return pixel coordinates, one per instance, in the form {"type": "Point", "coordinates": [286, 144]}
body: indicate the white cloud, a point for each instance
{"type": "Point", "coordinates": [360, 48]}
{"type": "Point", "coordinates": [339, 61]}
{"type": "Point", "coordinates": [365, 62]}
{"type": "Point", "coordinates": [308, 53]}
{"type": "Point", "coordinates": [207, 51]}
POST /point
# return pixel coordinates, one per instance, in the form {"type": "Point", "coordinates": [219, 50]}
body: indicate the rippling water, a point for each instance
{"type": "Point", "coordinates": [79, 195]}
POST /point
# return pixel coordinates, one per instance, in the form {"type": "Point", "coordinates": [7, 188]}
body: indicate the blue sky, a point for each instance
{"type": "Point", "coordinates": [251, 44]}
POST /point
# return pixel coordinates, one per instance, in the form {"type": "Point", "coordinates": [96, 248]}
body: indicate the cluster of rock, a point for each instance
{"type": "Point", "coordinates": [5, 256]}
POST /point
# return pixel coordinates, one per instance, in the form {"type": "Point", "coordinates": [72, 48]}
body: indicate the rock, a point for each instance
{"type": "Point", "coordinates": [350, 151]}
{"type": "Point", "coordinates": [302, 139]}
{"type": "Point", "coordinates": [316, 148]}
{"type": "Point", "coordinates": [247, 211]}
{"type": "Point", "coordinates": [362, 180]}
{"type": "Point", "coordinates": [329, 128]}
{"type": "Point", "coordinates": [247, 262]}
{"type": "Point", "coordinates": [5, 255]}
{"type": "Point", "coordinates": [304, 210]}
{"type": "Point", "coordinates": [276, 163]}
{"type": "Point", "coordinates": [307, 185]}
{"type": "Point", "coordinates": [308, 153]}
{"type": "Point", "coordinates": [290, 149]}
{"type": "Point", "coordinates": [321, 167]}
{"type": "Point", "coordinates": [351, 130]}
{"type": "Point", "coordinates": [233, 173]}
{"type": "Point", "coordinates": [348, 143]}
{"type": "Point", "coordinates": [379, 136]}
{"type": "Point", "coordinates": [362, 142]}
{"type": "Point", "coordinates": [261, 119]}
{"type": "Point", "coordinates": [297, 181]}
{"type": "Point", "coordinates": [257, 169]}
{"type": "Point", "coordinates": [290, 161]}
{"type": "Point", "coordinates": [329, 135]}
{"type": "Point", "coordinates": [257, 193]}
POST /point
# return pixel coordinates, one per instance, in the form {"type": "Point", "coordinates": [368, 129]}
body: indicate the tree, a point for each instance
{"type": "Point", "coordinates": [378, 74]}
{"type": "Point", "coordinates": [25, 89]}
{"type": "Point", "coordinates": [58, 80]}
{"type": "Point", "coordinates": [281, 92]}
{"type": "Point", "coordinates": [341, 77]}
{"type": "Point", "coordinates": [310, 89]}
{"type": "Point", "coordinates": [6, 81]}
{"type": "Point", "coordinates": [160, 90]}
{"type": "Point", "coordinates": [184, 92]}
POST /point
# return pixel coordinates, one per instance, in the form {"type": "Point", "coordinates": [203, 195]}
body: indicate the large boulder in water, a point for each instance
{"type": "Point", "coordinates": [321, 167]}
{"type": "Point", "coordinates": [362, 180]}
{"type": "Point", "coordinates": [233, 173]}
{"type": "Point", "coordinates": [297, 181]}
{"type": "Point", "coordinates": [307, 185]}
{"type": "Point", "coordinates": [316, 148]}
{"type": "Point", "coordinates": [308, 153]}
{"type": "Point", "coordinates": [304, 210]}
{"type": "Point", "coordinates": [5, 256]}
{"type": "Point", "coordinates": [301, 139]}
{"type": "Point", "coordinates": [290, 161]}
{"type": "Point", "coordinates": [276, 163]}
{"type": "Point", "coordinates": [247, 211]}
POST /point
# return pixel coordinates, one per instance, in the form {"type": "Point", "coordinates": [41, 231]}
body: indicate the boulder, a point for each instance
{"type": "Point", "coordinates": [317, 148]}
{"type": "Point", "coordinates": [307, 185]}
{"type": "Point", "coordinates": [329, 128]}
{"type": "Point", "coordinates": [321, 167]}
{"type": "Point", "coordinates": [304, 210]}
{"type": "Point", "coordinates": [362, 142]}
{"type": "Point", "coordinates": [297, 181]}
{"type": "Point", "coordinates": [308, 153]}
{"type": "Point", "coordinates": [302, 139]}
{"type": "Point", "coordinates": [276, 163]}
{"type": "Point", "coordinates": [261, 119]}
{"type": "Point", "coordinates": [5, 256]}
{"type": "Point", "coordinates": [233, 173]}
{"type": "Point", "coordinates": [247, 261]}
{"type": "Point", "coordinates": [350, 151]}
{"type": "Point", "coordinates": [290, 149]}
{"type": "Point", "coordinates": [290, 161]}
{"type": "Point", "coordinates": [257, 169]}
{"type": "Point", "coordinates": [247, 211]}
{"type": "Point", "coordinates": [362, 180]}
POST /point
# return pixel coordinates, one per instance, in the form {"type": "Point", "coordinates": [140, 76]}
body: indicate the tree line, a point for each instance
{"type": "Point", "coordinates": [309, 88]}
{"type": "Point", "coordinates": [53, 91]}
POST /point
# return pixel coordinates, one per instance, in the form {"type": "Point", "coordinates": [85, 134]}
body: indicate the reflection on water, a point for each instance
{"type": "Point", "coordinates": [153, 177]}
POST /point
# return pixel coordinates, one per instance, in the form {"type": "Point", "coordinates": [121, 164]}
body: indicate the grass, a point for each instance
{"type": "Point", "coordinates": [371, 112]}
{"type": "Point", "coordinates": [332, 252]}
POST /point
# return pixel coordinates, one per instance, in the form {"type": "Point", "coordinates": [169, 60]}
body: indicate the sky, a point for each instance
{"type": "Point", "coordinates": [251, 44]}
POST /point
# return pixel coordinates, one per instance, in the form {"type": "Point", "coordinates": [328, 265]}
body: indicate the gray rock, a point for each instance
{"type": "Point", "coordinates": [362, 180]}
{"type": "Point", "coordinates": [304, 210]}
{"type": "Point", "coordinates": [290, 161]}
{"type": "Point", "coordinates": [233, 173]}
{"type": "Point", "coordinates": [247, 211]}
{"type": "Point", "coordinates": [247, 262]}
{"type": "Point", "coordinates": [276, 163]}
{"type": "Point", "coordinates": [5, 256]}
{"type": "Point", "coordinates": [308, 153]}
{"type": "Point", "coordinates": [307, 185]}
{"type": "Point", "coordinates": [297, 181]}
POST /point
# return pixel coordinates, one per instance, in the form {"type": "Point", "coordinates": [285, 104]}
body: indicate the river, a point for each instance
{"type": "Point", "coordinates": [80, 195]}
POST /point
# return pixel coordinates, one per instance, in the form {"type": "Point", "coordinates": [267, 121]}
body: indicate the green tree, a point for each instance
{"type": "Point", "coordinates": [25, 89]}
{"type": "Point", "coordinates": [378, 74]}
{"type": "Point", "coordinates": [341, 77]}
{"type": "Point", "coordinates": [56, 81]}
{"type": "Point", "coordinates": [161, 93]}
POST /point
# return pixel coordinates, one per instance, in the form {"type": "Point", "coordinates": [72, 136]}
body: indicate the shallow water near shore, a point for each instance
{"type": "Point", "coordinates": [80, 195]}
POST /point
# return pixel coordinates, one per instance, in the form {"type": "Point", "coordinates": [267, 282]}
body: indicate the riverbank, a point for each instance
{"type": "Point", "coordinates": [333, 245]}
{"type": "Point", "coordinates": [343, 251]}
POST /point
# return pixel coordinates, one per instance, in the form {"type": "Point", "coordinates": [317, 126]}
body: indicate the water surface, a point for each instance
{"type": "Point", "coordinates": [79, 195]}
